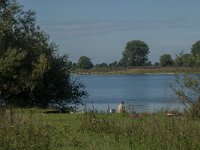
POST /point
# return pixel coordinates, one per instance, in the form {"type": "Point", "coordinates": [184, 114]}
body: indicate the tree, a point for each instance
{"type": "Point", "coordinates": [31, 74]}
{"type": "Point", "coordinates": [166, 60]}
{"type": "Point", "coordinates": [85, 62]}
{"type": "Point", "coordinates": [122, 63]}
{"type": "Point", "coordinates": [149, 63]}
{"type": "Point", "coordinates": [184, 60]}
{"type": "Point", "coordinates": [195, 50]}
{"type": "Point", "coordinates": [113, 64]}
{"type": "Point", "coordinates": [135, 53]}
{"type": "Point", "coordinates": [156, 64]}
{"type": "Point", "coordinates": [101, 65]}
{"type": "Point", "coordinates": [188, 89]}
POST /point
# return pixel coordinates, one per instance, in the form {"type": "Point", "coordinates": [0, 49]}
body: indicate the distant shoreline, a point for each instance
{"type": "Point", "coordinates": [137, 70]}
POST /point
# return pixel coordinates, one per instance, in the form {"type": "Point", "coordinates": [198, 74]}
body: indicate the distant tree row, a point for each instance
{"type": "Point", "coordinates": [185, 60]}
{"type": "Point", "coordinates": [136, 54]}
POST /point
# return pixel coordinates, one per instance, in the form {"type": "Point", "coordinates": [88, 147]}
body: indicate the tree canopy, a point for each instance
{"type": "Point", "coordinates": [195, 50]}
{"type": "Point", "coordinates": [85, 62]}
{"type": "Point", "coordinates": [166, 60]}
{"type": "Point", "coordinates": [135, 53]}
{"type": "Point", "coordinates": [31, 73]}
{"type": "Point", "coordinates": [184, 60]}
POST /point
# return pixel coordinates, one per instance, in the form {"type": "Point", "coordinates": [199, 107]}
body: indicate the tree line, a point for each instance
{"type": "Point", "coordinates": [136, 54]}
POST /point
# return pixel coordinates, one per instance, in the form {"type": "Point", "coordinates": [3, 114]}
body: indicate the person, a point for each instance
{"type": "Point", "coordinates": [121, 107]}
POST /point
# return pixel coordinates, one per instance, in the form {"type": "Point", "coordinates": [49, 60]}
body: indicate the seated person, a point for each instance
{"type": "Point", "coordinates": [121, 107]}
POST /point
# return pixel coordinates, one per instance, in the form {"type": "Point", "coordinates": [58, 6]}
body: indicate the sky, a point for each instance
{"type": "Point", "coordinates": [100, 29]}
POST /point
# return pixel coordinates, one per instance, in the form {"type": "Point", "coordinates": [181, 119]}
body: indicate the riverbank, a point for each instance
{"type": "Point", "coordinates": [33, 129]}
{"type": "Point", "coordinates": [138, 70]}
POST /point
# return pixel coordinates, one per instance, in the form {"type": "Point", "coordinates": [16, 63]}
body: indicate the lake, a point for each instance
{"type": "Point", "coordinates": [141, 93]}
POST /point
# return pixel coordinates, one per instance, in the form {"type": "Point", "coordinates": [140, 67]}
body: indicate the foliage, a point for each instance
{"type": "Point", "coordinates": [122, 63]}
{"type": "Point", "coordinates": [189, 85]}
{"type": "Point", "coordinates": [166, 60]}
{"type": "Point", "coordinates": [102, 65]}
{"type": "Point", "coordinates": [57, 87]}
{"type": "Point", "coordinates": [188, 91]}
{"type": "Point", "coordinates": [23, 131]}
{"type": "Point", "coordinates": [31, 74]}
{"type": "Point", "coordinates": [113, 64]}
{"type": "Point", "coordinates": [115, 131]}
{"type": "Point", "coordinates": [135, 53]}
{"type": "Point", "coordinates": [185, 60]}
{"type": "Point", "coordinates": [156, 64]}
{"type": "Point", "coordinates": [31, 129]}
{"type": "Point", "coordinates": [189, 60]}
{"type": "Point", "coordinates": [85, 62]}
{"type": "Point", "coordinates": [195, 50]}
{"type": "Point", "coordinates": [148, 63]}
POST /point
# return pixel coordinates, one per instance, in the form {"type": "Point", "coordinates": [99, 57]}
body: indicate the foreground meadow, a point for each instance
{"type": "Point", "coordinates": [34, 129]}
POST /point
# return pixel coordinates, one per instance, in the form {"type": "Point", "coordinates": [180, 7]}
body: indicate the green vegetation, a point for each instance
{"type": "Point", "coordinates": [85, 62]}
{"type": "Point", "coordinates": [184, 60]}
{"type": "Point", "coordinates": [188, 90]}
{"type": "Point", "coordinates": [135, 54]}
{"type": "Point", "coordinates": [32, 74]}
{"type": "Point", "coordinates": [195, 50]}
{"type": "Point", "coordinates": [139, 70]}
{"type": "Point", "coordinates": [32, 129]}
{"type": "Point", "coordinates": [166, 60]}
{"type": "Point", "coordinates": [20, 130]}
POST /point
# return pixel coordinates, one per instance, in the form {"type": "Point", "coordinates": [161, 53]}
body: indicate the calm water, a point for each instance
{"type": "Point", "coordinates": [141, 93]}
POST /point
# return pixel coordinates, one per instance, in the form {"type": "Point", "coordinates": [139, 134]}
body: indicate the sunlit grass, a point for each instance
{"type": "Point", "coordinates": [139, 70]}
{"type": "Point", "coordinates": [34, 129]}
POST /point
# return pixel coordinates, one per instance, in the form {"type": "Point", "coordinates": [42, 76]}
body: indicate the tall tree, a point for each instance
{"type": "Point", "coordinates": [136, 53]}
{"type": "Point", "coordinates": [85, 62]}
{"type": "Point", "coordinates": [195, 50]}
{"type": "Point", "coordinates": [31, 74]}
{"type": "Point", "coordinates": [166, 60]}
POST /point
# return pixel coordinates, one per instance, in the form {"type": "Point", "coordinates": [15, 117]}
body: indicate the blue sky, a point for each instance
{"type": "Point", "coordinates": [100, 29]}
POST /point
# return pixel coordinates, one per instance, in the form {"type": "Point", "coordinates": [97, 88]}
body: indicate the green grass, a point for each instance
{"type": "Point", "coordinates": [32, 129]}
{"type": "Point", "coordinates": [139, 70]}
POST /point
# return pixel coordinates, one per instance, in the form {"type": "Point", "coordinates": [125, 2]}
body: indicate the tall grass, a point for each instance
{"type": "Point", "coordinates": [154, 132]}
{"type": "Point", "coordinates": [25, 129]}
{"type": "Point", "coordinates": [22, 131]}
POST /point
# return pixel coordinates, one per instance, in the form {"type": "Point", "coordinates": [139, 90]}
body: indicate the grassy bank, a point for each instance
{"type": "Point", "coordinates": [139, 70]}
{"type": "Point", "coordinates": [32, 129]}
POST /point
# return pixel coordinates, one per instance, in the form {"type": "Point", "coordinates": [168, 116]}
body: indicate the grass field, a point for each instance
{"type": "Point", "coordinates": [33, 129]}
{"type": "Point", "coordinates": [139, 70]}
